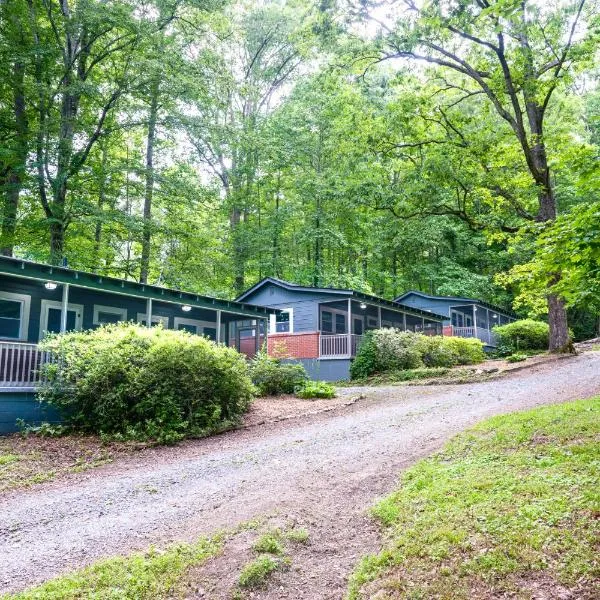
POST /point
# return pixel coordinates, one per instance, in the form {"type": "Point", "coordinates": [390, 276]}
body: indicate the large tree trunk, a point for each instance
{"type": "Point", "coordinates": [14, 179]}
{"type": "Point", "coordinates": [149, 193]}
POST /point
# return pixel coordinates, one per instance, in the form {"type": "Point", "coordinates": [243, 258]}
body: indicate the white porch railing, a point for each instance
{"type": "Point", "coordinates": [485, 335]}
{"type": "Point", "coordinates": [334, 346]}
{"type": "Point", "coordinates": [20, 364]}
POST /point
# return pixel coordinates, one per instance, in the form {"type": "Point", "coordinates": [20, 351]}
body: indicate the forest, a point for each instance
{"type": "Point", "coordinates": [449, 146]}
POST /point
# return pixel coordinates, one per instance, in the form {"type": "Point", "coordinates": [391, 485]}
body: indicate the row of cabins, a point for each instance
{"type": "Point", "coordinates": [320, 327]}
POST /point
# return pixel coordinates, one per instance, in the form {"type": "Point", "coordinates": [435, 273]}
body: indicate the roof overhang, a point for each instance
{"type": "Point", "coordinates": [41, 272]}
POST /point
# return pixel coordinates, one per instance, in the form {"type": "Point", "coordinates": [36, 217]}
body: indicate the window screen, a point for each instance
{"type": "Point", "coordinates": [10, 318]}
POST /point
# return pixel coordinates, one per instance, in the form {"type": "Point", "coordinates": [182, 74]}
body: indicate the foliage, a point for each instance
{"type": "Point", "coordinates": [394, 351]}
{"type": "Point", "coordinates": [315, 389]}
{"type": "Point", "coordinates": [274, 376]}
{"type": "Point", "coordinates": [149, 576]}
{"type": "Point", "coordinates": [525, 334]}
{"type": "Point", "coordinates": [256, 572]}
{"type": "Point", "coordinates": [129, 381]}
{"type": "Point", "coordinates": [517, 357]}
{"type": "Point", "coordinates": [517, 494]}
{"type": "Point", "coordinates": [268, 543]}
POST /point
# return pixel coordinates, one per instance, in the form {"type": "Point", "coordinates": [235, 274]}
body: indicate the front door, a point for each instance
{"type": "Point", "coordinates": [358, 326]}
{"type": "Point", "coordinates": [50, 317]}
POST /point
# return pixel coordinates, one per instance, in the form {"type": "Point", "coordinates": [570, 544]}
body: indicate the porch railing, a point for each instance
{"type": "Point", "coordinates": [20, 364]}
{"type": "Point", "coordinates": [339, 345]}
{"type": "Point", "coordinates": [485, 335]}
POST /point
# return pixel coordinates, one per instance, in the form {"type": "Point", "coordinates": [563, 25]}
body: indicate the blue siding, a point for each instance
{"type": "Point", "coordinates": [23, 405]}
{"type": "Point", "coordinates": [88, 298]}
{"type": "Point", "coordinates": [305, 304]}
{"type": "Point", "coordinates": [437, 305]}
{"type": "Point", "coordinates": [337, 369]}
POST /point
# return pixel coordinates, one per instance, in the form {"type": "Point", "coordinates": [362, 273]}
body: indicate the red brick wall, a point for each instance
{"type": "Point", "coordinates": [447, 330]}
{"type": "Point", "coordinates": [293, 345]}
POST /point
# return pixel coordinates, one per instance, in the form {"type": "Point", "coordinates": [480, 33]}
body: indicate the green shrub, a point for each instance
{"type": "Point", "coordinates": [256, 573]}
{"type": "Point", "coordinates": [315, 389]}
{"type": "Point", "coordinates": [134, 382]}
{"type": "Point", "coordinates": [392, 350]}
{"type": "Point", "coordinates": [525, 334]}
{"type": "Point", "coordinates": [272, 376]}
{"type": "Point", "coordinates": [517, 357]}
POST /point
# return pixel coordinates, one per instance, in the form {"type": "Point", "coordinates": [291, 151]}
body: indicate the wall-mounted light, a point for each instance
{"type": "Point", "coordinates": [363, 305]}
{"type": "Point", "coordinates": [186, 308]}
{"type": "Point", "coordinates": [50, 285]}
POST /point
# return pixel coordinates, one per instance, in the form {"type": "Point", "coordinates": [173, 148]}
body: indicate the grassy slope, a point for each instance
{"type": "Point", "coordinates": [510, 507]}
{"type": "Point", "coordinates": [155, 574]}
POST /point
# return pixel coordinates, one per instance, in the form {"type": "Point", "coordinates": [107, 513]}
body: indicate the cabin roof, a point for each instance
{"type": "Point", "coordinates": [343, 293]}
{"type": "Point", "coordinates": [504, 311]}
{"type": "Point", "coordinates": [26, 269]}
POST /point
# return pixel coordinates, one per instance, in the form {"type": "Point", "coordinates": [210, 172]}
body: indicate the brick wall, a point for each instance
{"type": "Point", "coordinates": [447, 330]}
{"type": "Point", "coordinates": [294, 345]}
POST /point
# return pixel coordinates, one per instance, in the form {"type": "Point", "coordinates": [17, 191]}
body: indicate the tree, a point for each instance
{"type": "Point", "coordinates": [514, 54]}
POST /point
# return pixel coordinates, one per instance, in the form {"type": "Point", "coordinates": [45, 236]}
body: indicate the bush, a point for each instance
{"type": "Point", "coordinates": [517, 357]}
{"type": "Point", "coordinates": [315, 389]}
{"type": "Point", "coordinates": [525, 334]}
{"type": "Point", "coordinates": [392, 350]}
{"type": "Point", "coordinates": [135, 382]}
{"type": "Point", "coordinates": [273, 377]}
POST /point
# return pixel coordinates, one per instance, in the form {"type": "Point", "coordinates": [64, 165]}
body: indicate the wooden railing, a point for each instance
{"type": "Point", "coordinates": [486, 336]}
{"type": "Point", "coordinates": [332, 346]}
{"type": "Point", "coordinates": [20, 364]}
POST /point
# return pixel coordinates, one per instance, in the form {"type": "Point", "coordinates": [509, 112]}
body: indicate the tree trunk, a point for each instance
{"type": "Point", "coordinates": [100, 205]}
{"type": "Point", "coordinates": [149, 193]}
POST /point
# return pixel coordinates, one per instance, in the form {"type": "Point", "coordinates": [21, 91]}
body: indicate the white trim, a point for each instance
{"type": "Point", "coordinates": [273, 321]}
{"type": "Point", "coordinates": [25, 301]}
{"type": "Point", "coordinates": [112, 310]}
{"type": "Point", "coordinates": [47, 304]}
{"type": "Point", "coordinates": [324, 307]}
{"type": "Point", "coordinates": [156, 319]}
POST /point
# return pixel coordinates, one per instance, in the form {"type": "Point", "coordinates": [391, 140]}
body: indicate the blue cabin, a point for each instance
{"type": "Point", "coordinates": [323, 327]}
{"type": "Point", "coordinates": [36, 299]}
{"type": "Point", "coordinates": [464, 317]}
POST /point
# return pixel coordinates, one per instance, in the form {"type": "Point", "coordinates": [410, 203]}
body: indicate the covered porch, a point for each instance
{"type": "Point", "coordinates": [343, 323]}
{"type": "Point", "coordinates": [476, 321]}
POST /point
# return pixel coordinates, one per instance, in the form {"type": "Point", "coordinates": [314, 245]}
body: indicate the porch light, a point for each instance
{"type": "Point", "coordinates": [50, 285]}
{"type": "Point", "coordinates": [363, 305]}
{"type": "Point", "coordinates": [186, 308]}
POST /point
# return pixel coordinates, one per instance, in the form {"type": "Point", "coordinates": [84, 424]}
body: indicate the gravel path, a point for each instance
{"type": "Point", "coordinates": [322, 471]}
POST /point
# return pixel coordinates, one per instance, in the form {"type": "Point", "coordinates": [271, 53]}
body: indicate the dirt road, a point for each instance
{"type": "Point", "coordinates": [322, 471]}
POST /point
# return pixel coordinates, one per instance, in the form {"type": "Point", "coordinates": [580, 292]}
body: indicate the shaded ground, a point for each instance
{"type": "Point", "coordinates": [320, 471]}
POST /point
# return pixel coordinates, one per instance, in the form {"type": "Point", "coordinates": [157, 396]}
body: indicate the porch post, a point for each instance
{"type": "Point", "coordinates": [475, 320]}
{"type": "Point", "coordinates": [257, 335]}
{"type": "Point", "coordinates": [422, 323]}
{"type": "Point", "coordinates": [349, 334]}
{"type": "Point", "coordinates": [379, 317]}
{"type": "Point", "coordinates": [149, 312]}
{"type": "Point", "coordinates": [64, 307]}
{"type": "Point", "coordinates": [218, 327]}
{"type": "Point", "coordinates": [488, 319]}
{"type": "Point", "coordinates": [404, 320]}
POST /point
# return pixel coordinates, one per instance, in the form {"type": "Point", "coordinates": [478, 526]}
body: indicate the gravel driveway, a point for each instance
{"type": "Point", "coordinates": [322, 471]}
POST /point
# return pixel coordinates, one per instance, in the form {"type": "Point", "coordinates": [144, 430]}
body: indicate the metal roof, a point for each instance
{"type": "Point", "coordinates": [457, 299]}
{"type": "Point", "coordinates": [343, 293]}
{"type": "Point", "coordinates": [42, 272]}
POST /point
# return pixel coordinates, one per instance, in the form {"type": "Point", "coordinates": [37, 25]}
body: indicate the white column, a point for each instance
{"type": "Point", "coordinates": [349, 334]}
{"type": "Point", "coordinates": [404, 320]}
{"type": "Point", "coordinates": [422, 324]}
{"type": "Point", "coordinates": [218, 327]}
{"type": "Point", "coordinates": [64, 307]}
{"type": "Point", "coordinates": [475, 320]}
{"type": "Point", "coordinates": [149, 312]}
{"type": "Point", "coordinates": [257, 335]}
{"type": "Point", "coordinates": [379, 317]}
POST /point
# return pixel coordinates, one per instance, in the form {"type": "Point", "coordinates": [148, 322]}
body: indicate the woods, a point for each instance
{"type": "Point", "coordinates": [450, 147]}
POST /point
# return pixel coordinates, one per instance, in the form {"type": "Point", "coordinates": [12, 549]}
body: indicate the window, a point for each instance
{"type": "Point", "coordinates": [156, 319]}
{"type": "Point", "coordinates": [197, 327]}
{"type": "Point", "coordinates": [326, 321]}
{"type": "Point", "coordinates": [283, 322]}
{"type": "Point", "coordinates": [108, 314]}
{"type": "Point", "coordinates": [371, 322]}
{"type": "Point", "coordinates": [51, 317]}
{"type": "Point", "coordinates": [14, 316]}
{"type": "Point", "coordinates": [340, 323]}
{"type": "Point", "coordinates": [358, 326]}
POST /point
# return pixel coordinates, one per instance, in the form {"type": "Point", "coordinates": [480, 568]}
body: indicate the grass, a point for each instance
{"type": "Point", "coordinates": [150, 576]}
{"type": "Point", "coordinates": [257, 572]}
{"type": "Point", "coordinates": [6, 459]}
{"type": "Point", "coordinates": [298, 536]}
{"type": "Point", "coordinates": [268, 543]}
{"type": "Point", "coordinates": [509, 507]}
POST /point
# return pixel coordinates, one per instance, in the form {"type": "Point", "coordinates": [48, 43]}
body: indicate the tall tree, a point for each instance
{"type": "Point", "coordinates": [515, 54]}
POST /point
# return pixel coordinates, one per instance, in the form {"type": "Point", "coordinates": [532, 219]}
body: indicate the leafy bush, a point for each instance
{"type": "Point", "coordinates": [272, 376]}
{"type": "Point", "coordinates": [134, 382]}
{"type": "Point", "coordinates": [316, 389]}
{"type": "Point", "coordinates": [392, 350]}
{"type": "Point", "coordinates": [525, 334]}
{"type": "Point", "coordinates": [517, 357]}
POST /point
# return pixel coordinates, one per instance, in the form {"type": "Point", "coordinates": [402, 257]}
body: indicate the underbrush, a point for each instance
{"type": "Point", "coordinates": [507, 505]}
